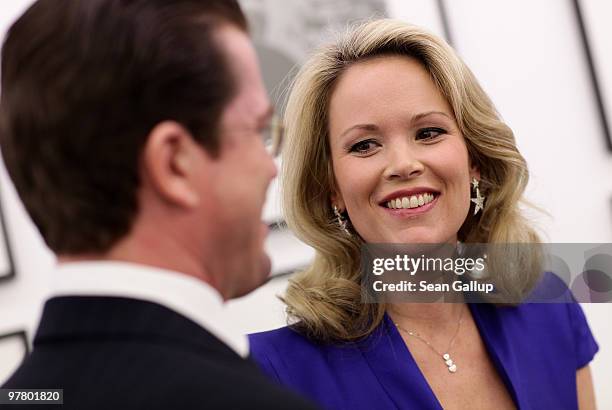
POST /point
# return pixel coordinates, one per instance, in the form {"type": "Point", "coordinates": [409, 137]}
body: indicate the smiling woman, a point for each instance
{"type": "Point", "coordinates": [390, 139]}
{"type": "Point", "coordinates": [390, 113]}
{"type": "Point", "coordinates": [410, 148]}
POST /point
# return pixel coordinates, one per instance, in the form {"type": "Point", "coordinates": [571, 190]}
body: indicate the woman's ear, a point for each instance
{"type": "Point", "coordinates": [169, 162]}
{"type": "Point", "coordinates": [337, 200]}
{"type": "Point", "coordinates": [474, 171]}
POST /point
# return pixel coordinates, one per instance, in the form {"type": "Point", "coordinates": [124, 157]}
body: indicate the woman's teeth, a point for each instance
{"type": "Point", "coordinates": [413, 201]}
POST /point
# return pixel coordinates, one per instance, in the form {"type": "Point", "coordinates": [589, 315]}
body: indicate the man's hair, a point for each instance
{"type": "Point", "coordinates": [83, 84]}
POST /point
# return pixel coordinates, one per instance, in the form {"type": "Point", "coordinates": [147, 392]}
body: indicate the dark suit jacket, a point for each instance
{"type": "Point", "coordinates": [119, 353]}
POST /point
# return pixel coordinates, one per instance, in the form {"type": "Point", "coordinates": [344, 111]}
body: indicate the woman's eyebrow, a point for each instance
{"type": "Point", "coordinates": [428, 113]}
{"type": "Point", "coordinates": [365, 127]}
{"type": "Point", "coordinates": [373, 127]}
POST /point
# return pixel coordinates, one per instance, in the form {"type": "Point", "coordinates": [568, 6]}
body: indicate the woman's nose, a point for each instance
{"type": "Point", "coordinates": [403, 163]}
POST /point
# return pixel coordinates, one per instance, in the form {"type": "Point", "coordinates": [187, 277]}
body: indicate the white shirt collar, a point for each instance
{"type": "Point", "coordinates": [188, 296]}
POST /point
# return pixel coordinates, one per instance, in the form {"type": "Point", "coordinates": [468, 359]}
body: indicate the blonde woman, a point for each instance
{"type": "Point", "coordinates": [392, 140]}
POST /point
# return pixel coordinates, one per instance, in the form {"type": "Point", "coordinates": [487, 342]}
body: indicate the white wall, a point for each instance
{"type": "Point", "coordinates": [528, 56]}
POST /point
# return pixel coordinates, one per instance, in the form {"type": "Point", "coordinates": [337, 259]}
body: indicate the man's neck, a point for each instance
{"type": "Point", "coordinates": [171, 257]}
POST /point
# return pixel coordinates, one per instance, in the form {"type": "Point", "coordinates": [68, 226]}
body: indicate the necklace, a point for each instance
{"type": "Point", "coordinates": [452, 367]}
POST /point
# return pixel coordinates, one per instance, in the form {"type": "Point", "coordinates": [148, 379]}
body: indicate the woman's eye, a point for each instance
{"type": "Point", "coordinates": [363, 147]}
{"type": "Point", "coordinates": [429, 133]}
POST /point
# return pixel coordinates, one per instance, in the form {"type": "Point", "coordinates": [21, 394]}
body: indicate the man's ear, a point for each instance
{"type": "Point", "coordinates": [169, 161]}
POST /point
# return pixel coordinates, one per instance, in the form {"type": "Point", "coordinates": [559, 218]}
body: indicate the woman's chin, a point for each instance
{"type": "Point", "coordinates": [417, 236]}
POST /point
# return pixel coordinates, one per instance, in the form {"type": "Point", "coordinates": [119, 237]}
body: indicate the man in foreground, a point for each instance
{"type": "Point", "coordinates": [132, 131]}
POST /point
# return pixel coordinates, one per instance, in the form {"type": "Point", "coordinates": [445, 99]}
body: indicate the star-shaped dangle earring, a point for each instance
{"type": "Point", "coordinates": [479, 199]}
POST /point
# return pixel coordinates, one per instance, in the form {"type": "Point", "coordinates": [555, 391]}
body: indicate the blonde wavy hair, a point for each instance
{"type": "Point", "coordinates": [324, 301]}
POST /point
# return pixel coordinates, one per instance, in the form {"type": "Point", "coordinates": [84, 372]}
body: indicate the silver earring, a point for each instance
{"type": "Point", "coordinates": [341, 220]}
{"type": "Point", "coordinates": [478, 199]}
{"type": "Point", "coordinates": [460, 248]}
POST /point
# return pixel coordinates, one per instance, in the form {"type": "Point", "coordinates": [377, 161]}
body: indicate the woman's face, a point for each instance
{"type": "Point", "coordinates": [400, 162]}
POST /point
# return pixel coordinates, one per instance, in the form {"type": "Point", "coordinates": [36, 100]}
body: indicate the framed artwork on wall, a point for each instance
{"type": "Point", "coordinates": [13, 348]}
{"type": "Point", "coordinates": [285, 33]}
{"type": "Point", "coordinates": [7, 266]}
{"type": "Point", "coordinates": [592, 18]}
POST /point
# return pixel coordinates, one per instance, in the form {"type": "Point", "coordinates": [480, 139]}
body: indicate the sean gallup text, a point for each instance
{"type": "Point", "coordinates": [424, 286]}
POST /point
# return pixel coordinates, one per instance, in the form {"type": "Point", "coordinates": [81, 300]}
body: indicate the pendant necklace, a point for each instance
{"type": "Point", "coordinates": [452, 367]}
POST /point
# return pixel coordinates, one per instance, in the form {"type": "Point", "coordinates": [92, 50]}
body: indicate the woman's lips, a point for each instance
{"type": "Point", "coordinates": [413, 211]}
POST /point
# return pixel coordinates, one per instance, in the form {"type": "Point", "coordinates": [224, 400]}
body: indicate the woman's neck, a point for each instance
{"type": "Point", "coordinates": [429, 314]}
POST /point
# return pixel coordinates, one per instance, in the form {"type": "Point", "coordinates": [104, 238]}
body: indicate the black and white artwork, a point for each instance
{"type": "Point", "coordinates": [285, 32]}
{"type": "Point", "coordinates": [13, 348]}
{"type": "Point", "coordinates": [592, 18]}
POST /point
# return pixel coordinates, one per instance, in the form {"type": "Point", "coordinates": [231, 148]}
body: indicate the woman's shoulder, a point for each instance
{"type": "Point", "coordinates": [550, 288]}
{"type": "Point", "coordinates": [330, 373]}
{"type": "Point", "coordinates": [288, 344]}
{"type": "Point", "coordinates": [292, 359]}
{"type": "Point", "coordinates": [279, 340]}
{"type": "Point", "coordinates": [549, 317]}
{"type": "Point", "coordinates": [286, 351]}
{"type": "Point", "coordinates": [549, 304]}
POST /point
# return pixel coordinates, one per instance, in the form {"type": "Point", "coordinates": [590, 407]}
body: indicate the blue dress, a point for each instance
{"type": "Point", "coordinates": [536, 349]}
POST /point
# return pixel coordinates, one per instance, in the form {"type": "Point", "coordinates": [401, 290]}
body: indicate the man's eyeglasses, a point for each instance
{"type": "Point", "coordinates": [273, 136]}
